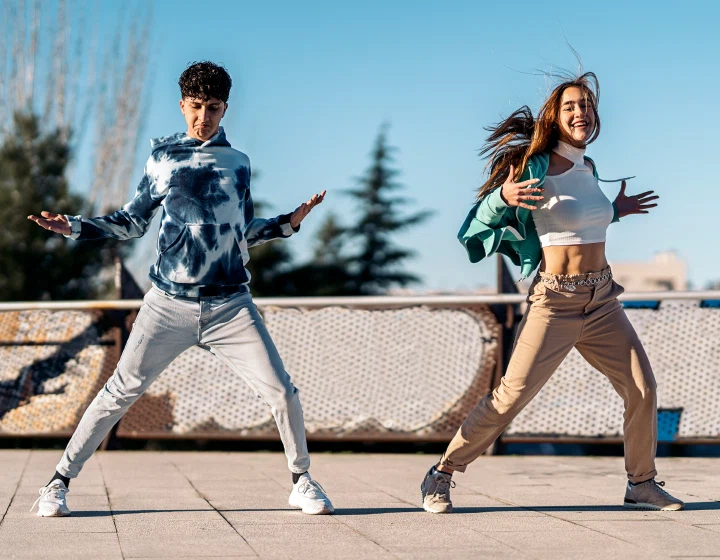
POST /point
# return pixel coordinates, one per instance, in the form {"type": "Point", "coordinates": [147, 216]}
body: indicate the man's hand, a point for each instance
{"type": "Point", "coordinates": [304, 209]}
{"type": "Point", "coordinates": [637, 204]}
{"type": "Point", "coordinates": [54, 222]}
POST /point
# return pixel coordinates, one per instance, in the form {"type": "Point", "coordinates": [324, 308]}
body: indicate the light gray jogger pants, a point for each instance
{"type": "Point", "coordinates": [232, 329]}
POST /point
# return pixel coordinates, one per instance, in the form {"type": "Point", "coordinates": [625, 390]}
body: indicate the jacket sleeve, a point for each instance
{"type": "Point", "coordinates": [132, 220]}
{"type": "Point", "coordinates": [489, 222]}
{"type": "Point", "coordinates": [261, 230]}
{"type": "Point", "coordinates": [491, 208]}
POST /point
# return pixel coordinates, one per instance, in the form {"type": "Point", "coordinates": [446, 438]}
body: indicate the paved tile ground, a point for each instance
{"type": "Point", "coordinates": [233, 505]}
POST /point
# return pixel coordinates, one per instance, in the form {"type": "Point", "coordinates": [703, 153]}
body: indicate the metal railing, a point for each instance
{"type": "Point", "coordinates": [355, 301]}
{"type": "Point", "coordinates": [503, 310]}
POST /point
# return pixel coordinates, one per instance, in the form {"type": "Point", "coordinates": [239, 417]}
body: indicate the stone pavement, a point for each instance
{"type": "Point", "coordinates": [233, 505]}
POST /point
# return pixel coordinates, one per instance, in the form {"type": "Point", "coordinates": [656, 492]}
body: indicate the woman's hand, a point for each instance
{"type": "Point", "coordinates": [514, 194]}
{"type": "Point", "coordinates": [56, 223]}
{"type": "Point", "coordinates": [637, 204]}
{"type": "Point", "coordinates": [304, 209]}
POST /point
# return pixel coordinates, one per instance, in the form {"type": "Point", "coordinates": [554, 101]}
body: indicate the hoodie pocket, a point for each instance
{"type": "Point", "coordinates": [242, 248]}
{"type": "Point", "coordinates": [174, 241]}
{"type": "Point", "coordinates": [165, 261]}
{"type": "Point", "coordinates": [205, 254]}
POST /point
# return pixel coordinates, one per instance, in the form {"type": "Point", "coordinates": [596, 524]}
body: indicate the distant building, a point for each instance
{"type": "Point", "coordinates": [666, 271]}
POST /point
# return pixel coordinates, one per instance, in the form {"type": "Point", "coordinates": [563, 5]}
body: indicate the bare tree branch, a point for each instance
{"type": "Point", "coordinates": [74, 74]}
{"type": "Point", "coordinates": [16, 43]}
{"type": "Point", "coordinates": [32, 54]}
{"type": "Point", "coordinates": [20, 54]}
{"type": "Point", "coordinates": [4, 108]}
{"type": "Point", "coordinates": [61, 55]}
{"type": "Point", "coordinates": [50, 54]}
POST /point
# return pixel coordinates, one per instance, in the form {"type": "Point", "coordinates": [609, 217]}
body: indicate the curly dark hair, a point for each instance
{"type": "Point", "coordinates": [204, 80]}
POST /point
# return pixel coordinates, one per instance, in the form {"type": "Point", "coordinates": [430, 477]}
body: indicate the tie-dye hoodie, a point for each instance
{"type": "Point", "coordinates": [208, 220]}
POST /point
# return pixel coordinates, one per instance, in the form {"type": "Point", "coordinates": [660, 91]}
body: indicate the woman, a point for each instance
{"type": "Point", "coordinates": [556, 217]}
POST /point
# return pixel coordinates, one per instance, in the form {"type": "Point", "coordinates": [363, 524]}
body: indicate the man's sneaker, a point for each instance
{"type": "Point", "coordinates": [52, 500]}
{"type": "Point", "coordinates": [310, 497]}
{"type": "Point", "coordinates": [435, 491]}
{"type": "Point", "coordinates": [650, 495]}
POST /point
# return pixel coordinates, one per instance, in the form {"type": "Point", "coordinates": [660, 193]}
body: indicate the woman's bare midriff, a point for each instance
{"type": "Point", "coordinates": [573, 259]}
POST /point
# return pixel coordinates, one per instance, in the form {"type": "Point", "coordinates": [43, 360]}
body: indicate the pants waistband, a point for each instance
{"type": "Point", "coordinates": [587, 279]}
{"type": "Point", "coordinates": [208, 292]}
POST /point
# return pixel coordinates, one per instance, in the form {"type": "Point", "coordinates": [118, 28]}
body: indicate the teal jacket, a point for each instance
{"type": "Point", "coordinates": [493, 226]}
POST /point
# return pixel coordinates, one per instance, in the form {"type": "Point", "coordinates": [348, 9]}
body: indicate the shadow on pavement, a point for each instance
{"type": "Point", "coordinates": [692, 506]}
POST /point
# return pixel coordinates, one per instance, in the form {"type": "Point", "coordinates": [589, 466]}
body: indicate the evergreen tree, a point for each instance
{"type": "Point", "coordinates": [269, 262]}
{"type": "Point", "coordinates": [273, 273]}
{"type": "Point", "coordinates": [356, 260]}
{"type": "Point", "coordinates": [327, 273]}
{"type": "Point", "coordinates": [376, 266]}
{"type": "Point", "coordinates": [36, 264]}
{"type": "Point", "coordinates": [329, 244]}
{"type": "Point", "coordinates": [268, 267]}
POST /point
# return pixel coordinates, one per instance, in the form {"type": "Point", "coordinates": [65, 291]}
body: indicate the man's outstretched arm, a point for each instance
{"type": "Point", "coordinates": [260, 230]}
{"type": "Point", "coordinates": [132, 220]}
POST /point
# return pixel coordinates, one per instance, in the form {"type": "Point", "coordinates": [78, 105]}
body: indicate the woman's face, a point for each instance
{"type": "Point", "coordinates": [576, 119]}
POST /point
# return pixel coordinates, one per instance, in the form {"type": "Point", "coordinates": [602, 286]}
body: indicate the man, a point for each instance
{"type": "Point", "coordinates": [199, 293]}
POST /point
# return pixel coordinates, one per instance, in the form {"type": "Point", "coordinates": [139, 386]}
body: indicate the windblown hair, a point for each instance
{"type": "Point", "coordinates": [205, 80]}
{"type": "Point", "coordinates": [519, 137]}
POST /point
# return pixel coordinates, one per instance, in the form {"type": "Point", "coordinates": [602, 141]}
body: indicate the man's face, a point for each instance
{"type": "Point", "coordinates": [202, 117]}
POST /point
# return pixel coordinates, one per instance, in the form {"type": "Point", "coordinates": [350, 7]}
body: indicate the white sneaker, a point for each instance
{"type": "Point", "coordinates": [52, 500]}
{"type": "Point", "coordinates": [308, 495]}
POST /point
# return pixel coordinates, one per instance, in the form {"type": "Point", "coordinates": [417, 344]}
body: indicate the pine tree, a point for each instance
{"type": "Point", "coordinates": [268, 267]}
{"type": "Point", "coordinates": [270, 261]}
{"type": "Point", "coordinates": [275, 274]}
{"type": "Point", "coordinates": [36, 264]}
{"type": "Point", "coordinates": [376, 266]}
{"type": "Point", "coordinates": [329, 243]}
{"type": "Point", "coordinates": [327, 273]}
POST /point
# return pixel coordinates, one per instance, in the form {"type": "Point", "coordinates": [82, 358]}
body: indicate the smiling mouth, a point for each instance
{"type": "Point", "coordinates": [580, 124]}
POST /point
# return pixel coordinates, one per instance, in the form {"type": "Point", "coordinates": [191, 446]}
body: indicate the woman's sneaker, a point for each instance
{"type": "Point", "coordinates": [435, 491]}
{"type": "Point", "coordinates": [52, 500]}
{"type": "Point", "coordinates": [650, 495]}
{"type": "Point", "coordinates": [310, 497]}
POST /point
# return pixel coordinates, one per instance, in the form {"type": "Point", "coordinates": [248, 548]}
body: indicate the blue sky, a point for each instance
{"type": "Point", "coordinates": [314, 81]}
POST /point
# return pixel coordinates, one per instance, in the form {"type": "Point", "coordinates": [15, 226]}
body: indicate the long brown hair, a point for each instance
{"type": "Point", "coordinates": [519, 137]}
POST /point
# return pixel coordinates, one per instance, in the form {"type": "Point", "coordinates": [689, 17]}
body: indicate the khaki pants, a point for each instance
{"type": "Point", "coordinates": [558, 318]}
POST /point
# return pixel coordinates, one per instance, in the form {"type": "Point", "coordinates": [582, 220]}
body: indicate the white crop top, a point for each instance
{"type": "Point", "coordinates": [574, 210]}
